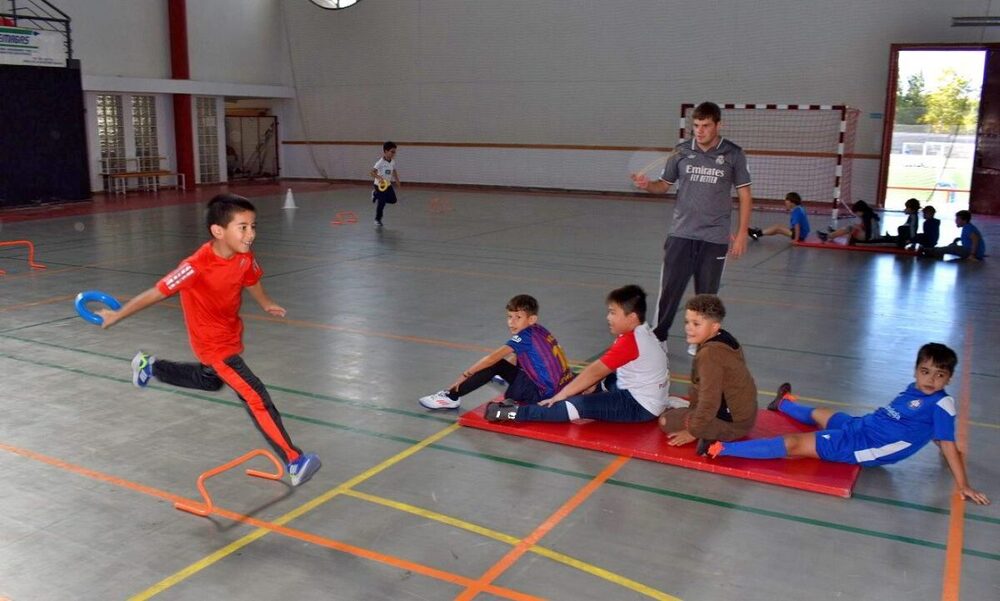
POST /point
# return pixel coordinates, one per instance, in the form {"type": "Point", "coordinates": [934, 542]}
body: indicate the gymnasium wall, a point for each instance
{"type": "Point", "coordinates": [234, 41]}
{"type": "Point", "coordinates": [579, 73]}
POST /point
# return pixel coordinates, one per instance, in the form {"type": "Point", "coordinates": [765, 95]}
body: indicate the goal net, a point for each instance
{"type": "Point", "coordinates": [804, 148]}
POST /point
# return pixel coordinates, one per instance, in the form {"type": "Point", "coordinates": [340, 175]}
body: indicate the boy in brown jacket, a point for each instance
{"type": "Point", "coordinates": [723, 394]}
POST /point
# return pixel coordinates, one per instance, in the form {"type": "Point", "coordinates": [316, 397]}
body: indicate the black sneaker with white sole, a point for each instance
{"type": "Point", "coordinates": [501, 412]}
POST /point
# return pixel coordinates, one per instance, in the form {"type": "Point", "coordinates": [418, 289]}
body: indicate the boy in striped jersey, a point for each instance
{"type": "Point", "coordinates": [629, 383]}
{"type": "Point", "coordinates": [541, 370]}
{"type": "Point", "coordinates": [211, 283]}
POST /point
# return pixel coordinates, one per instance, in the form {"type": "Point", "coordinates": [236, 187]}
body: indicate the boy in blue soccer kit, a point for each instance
{"type": "Point", "coordinates": [798, 222]}
{"type": "Point", "coordinates": [921, 413]}
{"type": "Point", "coordinates": [970, 244]}
{"type": "Point", "coordinates": [541, 371]}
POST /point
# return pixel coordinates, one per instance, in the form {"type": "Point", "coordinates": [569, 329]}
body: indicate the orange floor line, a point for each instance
{"type": "Point", "coordinates": [532, 539]}
{"type": "Point", "coordinates": [952, 577]}
{"type": "Point", "coordinates": [284, 530]}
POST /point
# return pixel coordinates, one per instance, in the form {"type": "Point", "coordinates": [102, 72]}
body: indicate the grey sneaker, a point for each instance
{"type": "Point", "coordinates": [142, 369]}
{"type": "Point", "coordinates": [303, 468]}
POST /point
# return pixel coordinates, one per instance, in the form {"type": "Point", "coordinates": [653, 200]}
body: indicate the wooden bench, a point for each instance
{"type": "Point", "coordinates": [148, 180]}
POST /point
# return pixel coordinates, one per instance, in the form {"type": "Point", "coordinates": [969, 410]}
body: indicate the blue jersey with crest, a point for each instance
{"type": "Point", "coordinates": [890, 433]}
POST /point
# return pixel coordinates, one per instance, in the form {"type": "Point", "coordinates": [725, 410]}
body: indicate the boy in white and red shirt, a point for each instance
{"type": "Point", "coordinates": [629, 383]}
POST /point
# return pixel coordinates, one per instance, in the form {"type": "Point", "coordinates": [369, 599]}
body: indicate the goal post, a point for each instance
{"type": "Point", "coordinates": [804, 148]}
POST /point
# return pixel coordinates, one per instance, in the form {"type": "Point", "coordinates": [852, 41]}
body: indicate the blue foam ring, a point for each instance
{"type": "Point", "coordinates": [95, 296]}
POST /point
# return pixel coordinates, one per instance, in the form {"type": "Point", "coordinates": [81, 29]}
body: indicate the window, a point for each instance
{"type": "Point", "coordinates": [208, 139]}
{"type": "Point", "coordinates": [111, 133]}
{"type": "Point", "coordinates": [147, 147]}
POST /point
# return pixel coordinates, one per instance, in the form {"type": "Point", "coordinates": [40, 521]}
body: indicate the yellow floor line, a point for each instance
{"type": "Point", "coordinates": [203, 563]}
{"type": "Point", "coordinates": [512, 540]}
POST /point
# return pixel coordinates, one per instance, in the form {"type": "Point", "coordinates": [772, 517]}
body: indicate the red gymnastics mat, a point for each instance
{"type": "Point", "coordinates": [647, 441]}
{"type": "Point", "coordinates": [866, 248]}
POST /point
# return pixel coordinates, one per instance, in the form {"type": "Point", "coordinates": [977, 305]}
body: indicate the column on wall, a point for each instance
{"type": "Point", "coordinates": [180, 69]}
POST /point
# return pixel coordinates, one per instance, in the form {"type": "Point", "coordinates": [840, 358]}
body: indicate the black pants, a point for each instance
{"type": "Point", "coordinates": [381, 199]}
{"type": "Point", "coordinates": [234, 373]}
{"type": "Point", "coordinates": [682, 259]}
{"type": "Point", "coordinates": [519, 385]}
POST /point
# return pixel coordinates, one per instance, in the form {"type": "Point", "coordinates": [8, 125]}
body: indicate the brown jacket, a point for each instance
{"type": "Point", "coordinates": [720, 372]}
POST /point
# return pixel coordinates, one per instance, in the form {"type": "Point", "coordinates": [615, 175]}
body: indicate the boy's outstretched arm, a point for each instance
{"type": "Point", "coordinates": [136, 304]}
{"type": "Point", "coordinates": [584, 381]}
{"type": "Point", "coordinates": [957, 465]}
{"type": "Point", "coordinates": [265, 302]}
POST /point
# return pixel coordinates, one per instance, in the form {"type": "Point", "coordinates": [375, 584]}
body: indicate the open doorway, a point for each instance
{"type": "Point", "coordinates": [251, 140]}
{"type": "Point", "coordinates": [931, 139]}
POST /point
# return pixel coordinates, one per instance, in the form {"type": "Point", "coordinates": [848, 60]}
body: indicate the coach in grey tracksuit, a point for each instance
{"type": "Point", "coordinates": [705, 170]}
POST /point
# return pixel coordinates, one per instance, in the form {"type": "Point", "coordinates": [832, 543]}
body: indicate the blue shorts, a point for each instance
{"type": "Point", "coordinates": [844, 441]}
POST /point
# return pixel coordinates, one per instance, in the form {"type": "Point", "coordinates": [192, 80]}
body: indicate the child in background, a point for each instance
{"type": "Point", "coordinates": [541, 370]}
{"type": "Point", "coordinates": [384, 172]}
{"type": "Point", "coordinates": [970, 244]}
{"type": "Point", "coordinates": [867, 230]}
{"type": "Point", "coordinates": [932, 229]}
{"type": "Point", "coordinates": [723, 395]}
{"type": "Point", "coordinates": [921, 413]}
{"type": "Point", "coordinates": [906, 233]}
{"type": "Point", "coordinates": [798, 222]}
{"type": "Point", "coordinates": [211, 283]}
{"type": "Point", "coordinates": [632, 374]}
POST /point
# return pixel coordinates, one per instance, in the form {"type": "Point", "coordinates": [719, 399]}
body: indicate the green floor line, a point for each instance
{"type": "Point", "coordinates": [41, 323]}
{"type": "Point", "coordinates": [509, 461]}
{"type": "Point", "coordinates": [918, 507]}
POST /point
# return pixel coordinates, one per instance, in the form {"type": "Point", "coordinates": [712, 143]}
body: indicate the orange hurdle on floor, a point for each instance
{"type": "Point", "coordinates": [207, 507]}
{"type": "Point", "coordinates": [31, 253]}
{"type": "Point", "coordinates": [439, 205]}
{"type": "Point", "coordinates": [344, 217]}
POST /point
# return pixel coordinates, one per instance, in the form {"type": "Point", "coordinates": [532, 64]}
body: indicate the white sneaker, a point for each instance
{"type": "Point", "coordinates": [692, 349]}
{"type": "Point", "coordinates": [676, 402]}
{"type": "Point", "coordinates": [439, 400]}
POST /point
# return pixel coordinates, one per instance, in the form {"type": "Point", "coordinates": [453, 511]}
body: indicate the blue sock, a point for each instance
{"type": "Point", "coordinates": [760, 448]}
{"type": "Point", "coordinates": [800, 413]}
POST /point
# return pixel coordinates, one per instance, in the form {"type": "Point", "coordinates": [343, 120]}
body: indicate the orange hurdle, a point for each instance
{"type": "Point", "coordinates": [344, 217]}
{"type": "Point", "coordinates": [31, 253]}
{"type": "Point", "coordinates": [205, 509]}
{"type": "Point", "coordinates": [439, 205]}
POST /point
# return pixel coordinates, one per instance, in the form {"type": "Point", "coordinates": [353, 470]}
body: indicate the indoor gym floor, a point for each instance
{"type": "Point", "coordinates": [410, 506]}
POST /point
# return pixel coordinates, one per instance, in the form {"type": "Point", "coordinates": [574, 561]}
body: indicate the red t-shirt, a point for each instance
{"type": "Point", "coordinates": [211, 294]}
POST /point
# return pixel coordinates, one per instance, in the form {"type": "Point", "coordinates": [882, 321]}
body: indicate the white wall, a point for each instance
{"type": "Point", "coordinates": [235, 41]}
{"type": "Point", "coordinates": [235, 48]}
{"type": "Point", "coordinates": [125, 38]}
{"type": "Point", "coordinates": [581, 72]}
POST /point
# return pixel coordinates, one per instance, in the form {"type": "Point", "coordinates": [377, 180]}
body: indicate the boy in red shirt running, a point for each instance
{"type": "Point", "coordinates": [211, 283]}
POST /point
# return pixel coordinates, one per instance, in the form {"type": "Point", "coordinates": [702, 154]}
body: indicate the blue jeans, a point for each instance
{"type": "Point", "coordinates": [611, 404]}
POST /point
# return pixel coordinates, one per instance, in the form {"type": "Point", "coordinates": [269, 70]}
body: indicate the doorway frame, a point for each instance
{"type": "Point", "coordinates": [890, 102]}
